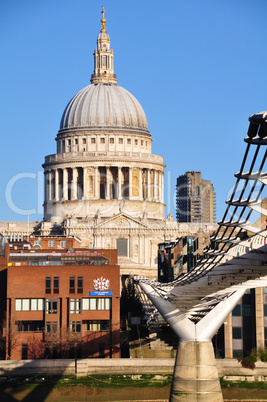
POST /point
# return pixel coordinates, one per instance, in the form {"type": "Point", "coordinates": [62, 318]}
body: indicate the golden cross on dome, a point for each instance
{"type": "Point", "coordinates": [103, 21]}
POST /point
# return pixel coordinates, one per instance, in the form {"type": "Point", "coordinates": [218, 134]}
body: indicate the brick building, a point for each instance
{"type": "Point", "coordinates": [61, 302]}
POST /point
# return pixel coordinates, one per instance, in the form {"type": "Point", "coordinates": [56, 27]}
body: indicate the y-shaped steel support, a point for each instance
{"type": "Point", "coordinates": [195, 377]}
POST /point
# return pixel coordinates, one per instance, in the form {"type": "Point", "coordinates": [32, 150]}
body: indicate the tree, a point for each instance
{"type": "Point", "coordinates": [60, 342]}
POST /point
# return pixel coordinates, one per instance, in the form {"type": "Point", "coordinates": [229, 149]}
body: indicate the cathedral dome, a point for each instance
{"type": "Point", "coordinates": [104, 105]}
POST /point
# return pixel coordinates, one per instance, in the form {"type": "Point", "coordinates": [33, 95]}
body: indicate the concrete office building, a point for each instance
{"type": "Point", "coordinates": [195, 199]}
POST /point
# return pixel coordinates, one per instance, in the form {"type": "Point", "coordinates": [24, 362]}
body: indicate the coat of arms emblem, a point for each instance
{"type": "Point", "coordinates": [101, 283]}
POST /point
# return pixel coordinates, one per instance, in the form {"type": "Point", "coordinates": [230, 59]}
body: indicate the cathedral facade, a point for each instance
{"type": "Point", "coordinates": [103, 185]}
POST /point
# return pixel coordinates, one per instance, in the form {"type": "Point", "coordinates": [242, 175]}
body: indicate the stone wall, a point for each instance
{"type": "Point", "coordinates": [230, 369]}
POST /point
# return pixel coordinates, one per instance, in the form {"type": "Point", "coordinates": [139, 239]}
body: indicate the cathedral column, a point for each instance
{"type": "Point", "coordinates": [46, 185]}
{"type": "Point", "coordinates": [56, 185]}
{"type": "Point", "coordinates": [130, 183]}
{"type": "Point", "coordinates": [65, 184]}
{"type": "Point", "coordinates": [84, 183]}
{"type": "Point", "coordinates": [140, 184]}
{"type": "Point", "coordinates": [49, 182]}
{"type": "Point", "coordinates": [107, 183]}
{"type": "Point", "coordinates": [155, 185]}
{"type": "Point", "coordinates": [160, 186]}
{"type": "Point", "coordinates": [97, 185]}
{"type": "Point", "coordinates": [144, 243]}
{"type": "Point", "coordinates": [74, 184]}
{"type": "Point", "coordinates": [148, 186]}
{"type": "Point", "coordinates": [119, 183]}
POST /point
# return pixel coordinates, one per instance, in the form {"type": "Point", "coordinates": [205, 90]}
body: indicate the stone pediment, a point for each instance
{"type": "Point", "coordinates": [122, 221]}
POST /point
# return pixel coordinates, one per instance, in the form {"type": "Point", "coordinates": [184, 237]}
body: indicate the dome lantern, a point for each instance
{"type": "Point", "coordinates": [103, 57]}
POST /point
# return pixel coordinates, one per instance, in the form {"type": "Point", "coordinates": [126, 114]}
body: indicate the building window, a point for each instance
{"type": "Point", "coordinates": [75, 306]}
{"type": "Point", "coordinates": [120, 140]}
{"type": "Point", "coordinates": [29, 304]}
{"type": "Point", "coordinates": [265, 310]}
{"type": "Point", "coordinates": [69, 142]}
{"type": "Point", "coordinates": [111, 140]}
{"type": "Point", "coordinates": [142, 143]}
{"type": "Point", "coordinates": [80, 284]}
{"type": "Point", "coordinates": [136, 142]}
{"type": "Point", "coordinates": [92, 140]}
{"type": "Point", "coordinates": [84, 140]}
{"type": "Point", "coordinates": [33, 304]}
{"type": "Point", "coordinates": [51, 243]}
{"type": "Point", "coordinates": [99, 303]}
{"type": "Point", "coordinates": [246, 310]}
{"type": "Point", "coordinates": [76, 141]}
{"type": "Point", "coordinates": [51, 306]}
{"type": "Point", "coordinates": [37, 242]}
{"type": "Point", "coordinates": [29, 326]}
{"type": "Point", "coordinates": [56, 284]}
{"type": "Point", "coordinates": [237, 353]}
{"type": "Point", "coordinates": [128, 141]}
{"type": "Point", "coordinates": [75, 326]}
{"type": "Point", "coordinates": [102, 140]}
{"type": "Point", "coordinates": [48, 284]}
{"type": "Point", "coordinates": [51, 327]}
{"type": "Point", "coordinates": [72, 284]}
{"type": "Point", "coordinates": [237, 311]}
{"type": "Point", "coordinates": [98, 325]}
{"type": "Point", "coordinates": [237, 333]}
{"type": "Point", "coordinates": [63, 243]}
{"type": "Point", "coordinates": [24, 351]}
{"type": "Point", "coordinates": [25, 304]}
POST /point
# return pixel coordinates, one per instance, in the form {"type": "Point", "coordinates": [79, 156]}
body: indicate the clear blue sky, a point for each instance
{"type": "Point", "coordinates": [198, 68]}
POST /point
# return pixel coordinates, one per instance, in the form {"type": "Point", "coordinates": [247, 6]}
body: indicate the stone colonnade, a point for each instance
{"type": "Point", "coordinates": [101, 182]}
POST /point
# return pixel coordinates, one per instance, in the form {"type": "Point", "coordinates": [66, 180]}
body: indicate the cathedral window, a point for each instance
{"type": "Point", "coordinates": [120, 140]}
{"type": "Point", "coordinates": [111, 140]}
{"type": "Point", "coordinates": [142, 143]}
{"type": "Point", "coordinates": [136, 142]}
{"type": "Point", "coordinates": [129, 141]}
{"type": "Point", "coordinates": [102, 140]}
{"type": "Point", "coordinates": [122, 247]}
{"type": "Point", "coordinates": [92, 140]}
{"type": "Point", "coordinates": [84, 140]}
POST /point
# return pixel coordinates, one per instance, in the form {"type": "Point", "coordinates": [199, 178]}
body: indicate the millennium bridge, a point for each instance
{"type": "Point", "coordinates": [197, 303]}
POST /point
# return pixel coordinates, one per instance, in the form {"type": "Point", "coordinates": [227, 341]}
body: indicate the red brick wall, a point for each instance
{"type": "Point", "coordinates": [29, 282]}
